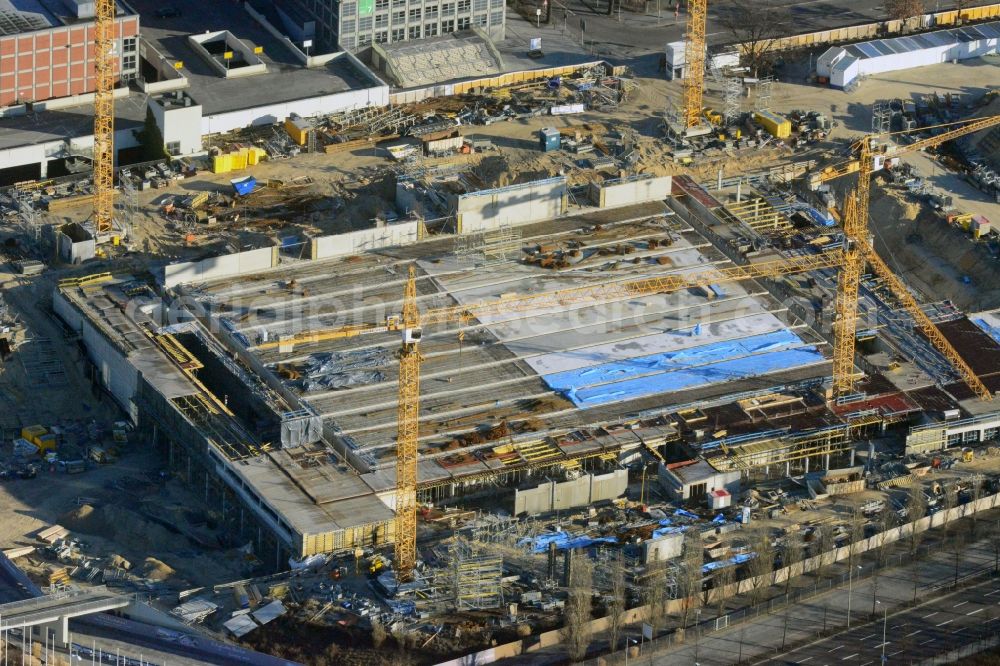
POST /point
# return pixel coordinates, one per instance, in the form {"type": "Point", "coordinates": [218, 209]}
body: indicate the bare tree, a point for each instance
{"type": "Point", "coordinates": [953, 536]}
{"type": "Point", "coordinates": [689, 575]}
{"type": "Point", "coordinates": [976, 492]}
{"type": "Point", "coordinates": [761, 566]}
{"type": "Point", "coordinates": [886, 521]}
{"type": "Point", "coordinates": [995, 539]}
{"type": "Point", "coordinates": [826, 550]}
{"type": "Point", "coordinates": [856, 533]}
{"type": "Point", "coordinates": [616, 603]}
{"type": "Point", "coordinates": [903, 9]}
{"type": "Point", "coordinates": [721, 580]}
{"type": "Point", "coordinates": [577, 632]}
{"type": "Point", "coordinates": [791, 555]}
{"type": "Point", "coordinates": [379, 634]}
{"type": "Point", "coordinates": [656, 594]}
{"type": "Point", "coordinates": [916, 509]}
{"type": "Point", "coordinates": [755, 25]}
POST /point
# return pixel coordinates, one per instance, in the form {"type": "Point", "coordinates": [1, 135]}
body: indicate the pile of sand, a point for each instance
{"type": "Point", "coordinates": [154, 569]}
{"type": "Point", "coordinates": [118, 524]}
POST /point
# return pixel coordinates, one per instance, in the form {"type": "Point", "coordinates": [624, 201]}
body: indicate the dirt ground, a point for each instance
{"type": "Point", "coordinates": [123, 508]}
{"type": "Point", "coordinates": [350, 189]}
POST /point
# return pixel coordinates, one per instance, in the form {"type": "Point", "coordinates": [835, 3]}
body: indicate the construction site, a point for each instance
{"type": "Point", "coordinates": [537, 367]}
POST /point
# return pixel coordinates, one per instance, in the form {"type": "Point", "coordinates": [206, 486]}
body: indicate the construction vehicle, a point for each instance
{"type": "Point", "coordinates": [377, 564]}
{"type": "Point", "coordinates": [858, 250]}
{"type": "Point", "coordinates": [409, 323]}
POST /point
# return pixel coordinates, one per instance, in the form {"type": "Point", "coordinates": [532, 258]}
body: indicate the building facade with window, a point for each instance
{"type": "Point", "coordinates": [44, 56]}
{"type": "Point", "coordinates": [353, 25]}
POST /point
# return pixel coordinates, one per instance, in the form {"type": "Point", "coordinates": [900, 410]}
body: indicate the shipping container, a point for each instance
{"type": "Point", "coordinates": [775, 125]}
{"type": "Point", "coordinates": [446, 145]}
{"type": "Point", "coordinates": [298, 129]}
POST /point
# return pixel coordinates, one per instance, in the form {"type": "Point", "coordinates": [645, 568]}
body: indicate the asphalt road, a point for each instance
{"type": "Point", "coordinates": [939, 626]}
{"type": "Point", "coordinates": [761, 639]}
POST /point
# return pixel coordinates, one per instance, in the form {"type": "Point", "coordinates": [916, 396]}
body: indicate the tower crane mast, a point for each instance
{"type": "Point", "coordinates": [694, 57]}
{"type": "Point", "coordinates": [858, 249]}
{"type": "Point", "coordinates": [104, 115]}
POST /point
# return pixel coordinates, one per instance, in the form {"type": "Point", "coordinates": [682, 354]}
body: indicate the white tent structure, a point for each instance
{"type": "Point", "coordinates": [842, 65]}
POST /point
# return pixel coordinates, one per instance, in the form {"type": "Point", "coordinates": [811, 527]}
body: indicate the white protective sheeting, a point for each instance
{"type": "Point", "coordinates": [844, 65]}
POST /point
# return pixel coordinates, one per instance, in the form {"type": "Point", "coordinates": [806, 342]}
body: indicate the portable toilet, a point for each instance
{"type": "Point", "coordinates": [549, 139]}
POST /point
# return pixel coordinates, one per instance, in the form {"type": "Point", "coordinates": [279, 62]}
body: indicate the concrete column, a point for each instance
{"type": "Point", "coordinates": [807, 464]}
{"type": "Point", "coordinates": [58, 629]}
{"type": "Point", "coordinates": [43, 168]}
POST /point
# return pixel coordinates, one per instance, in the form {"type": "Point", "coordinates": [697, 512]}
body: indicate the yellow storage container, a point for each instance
{"type": "Point", "coordinates": [46, 443]}
{"type": "Point", "coordinates": [777, 126]}
{"type": "Point", "coordinates": [298, 129]}
{"type": "Point", "coordinates": [221, 164]}
{"type": "Point", "coordinates": [34, 433]}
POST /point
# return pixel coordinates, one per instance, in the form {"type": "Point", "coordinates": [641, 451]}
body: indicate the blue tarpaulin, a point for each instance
{"type": "Point", "coordinates": [664, 531]}
{"type": "Point", "coordinates": [563, 541]}
{"type": "Point", "coordinates": [683, 368]}
{"type": "Point", "coordinates": [243, 186]}
{"type": "Point", "coordinates": [719, 520]}
{"type": "Point", "coordinates": [677, 380]}
{"type": "Point", "coordinates": [820, 218]}
{"type": "Point", "coordinates": [686, 514]}
{"type": "Point", "coordinates": [732, 561]}
{"type": "Point", "coordinates": [990, 330]}
{"type": "Point", "coordinates": [668, 361]}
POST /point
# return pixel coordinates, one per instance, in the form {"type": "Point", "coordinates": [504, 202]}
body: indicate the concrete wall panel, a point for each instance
{"type": "Point", "coordinates": [363, 240]}
{"type": "Point", "coordinates": [630, 191]}
{"type": "Point", "coordinates": [515, 205]}
{"type": "Point", "coordinates": [226, 265]}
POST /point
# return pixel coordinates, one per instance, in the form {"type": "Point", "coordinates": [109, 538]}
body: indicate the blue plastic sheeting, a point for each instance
{"type": "Point", "coordinates": [667, 361]}
{"type": "Point", "coordinates": [563, 541]}
{"type": "Point", "coordinates": [663, 531]}
{"type": "Point", "coordinates": [820, 218]}
{"type": "Point", "coordinates": [992, 331]}
{"type": "Point", "coordinates": [719, 520]}
{"type": "Point", "coordinates": [686, 514]}
{"type": "Point", "coordinates": [732, 561]}
{"type": "Point", "coordinates": [680, 379]}
{"type": "Point", "coordinates": [243, 186]}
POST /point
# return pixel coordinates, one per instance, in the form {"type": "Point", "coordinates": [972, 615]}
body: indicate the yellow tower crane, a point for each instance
{"type": "Point", "coordinates": [104, 116]}
{"type": "Point", "coordinates": [694, 62]}
{"type": "Point", "coordinates": [858, 250]}
{"type": "Point", "coordinates": [410, 323]}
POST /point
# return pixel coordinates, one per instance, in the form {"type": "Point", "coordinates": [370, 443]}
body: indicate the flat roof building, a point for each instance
{"type": "Point", "coordinates": [47, 51]}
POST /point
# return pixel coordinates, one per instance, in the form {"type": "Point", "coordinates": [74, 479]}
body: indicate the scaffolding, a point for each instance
{"type": "Point", "coordinates": [373, 120]}
{"type": "Point", "coordinates": [495, 246]}
{"type": "Point", "coordinates": [765, 91]}
{"type": "Point", "coordinates": [881, 117]}
{"type": "Point", "coordinates": [732, 89]}
{"type": "Point", "coordinates": [477, 580]}
{"type": "Point", "coordinates": [24, 194]}
{"type": "Point", "coordinates": [783, 448]}
{"type": "Point", "coordinates": [129, 204]}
